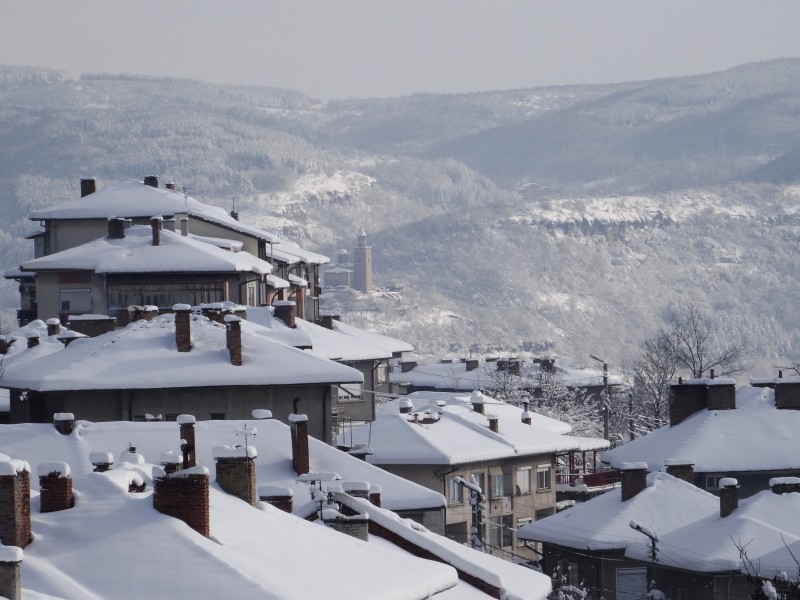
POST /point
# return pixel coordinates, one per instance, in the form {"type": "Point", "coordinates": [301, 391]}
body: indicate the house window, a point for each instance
{"type": "Point", "coordinates": [631, 583]}
{"type": "Point", "coordinates": [350, 392]}
{"type": "Point", "coordinates": [218, 416]}
{"type": "Point", "coordinates": [75, 301]}
{"type": "Point", "coordinates": [712, 482]}
{"type": "Point", "coordinates": [500, 532]}
{"type": "Point", "coordinates": [523, 480]}
{"type": "Point", "coordinates": [455, 492]}
{"type": "Point", "coordinates": [496, 485]}
{"type": "Point", "coordinates": [165, 295]}
{"type": "Point", "coordinates": [520, 524]}
{"type": "Point", "coordinates": [543, 477]}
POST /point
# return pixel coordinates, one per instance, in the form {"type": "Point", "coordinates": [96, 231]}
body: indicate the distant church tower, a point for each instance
{"type": "Point", "coordinates": [362, 264]}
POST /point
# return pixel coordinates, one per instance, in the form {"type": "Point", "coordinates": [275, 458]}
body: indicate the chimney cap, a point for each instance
{"type": "Point", "coordinates": [156, 218]}
{"type": "Point", "coordinates": [101, 458]}
{"type": "Point", "coordinates": [633, 466]}
{"type": "Point", "coordinates": [784, 481]}
{"type": "Point", "coordinates": [261, 413]}
{"type": "Point", "coordinates": [295, 418]}
{"type": "Point", "coordinates": [477, 397]}
{"type": "Point", "coordinates": [728, 482]}
{"type": "Point", "coordinates": [271, 491]}
{"type": "Point", "coordinates": [11, 554]}
{"type": "Point", "coordinates": [186, 420]}
{"type": "Point", "coordinates": [231, 319]}
{"type": "Point", "coordinates": [181, 307]}
{"type": "Point", "coordinates": [48, 468]}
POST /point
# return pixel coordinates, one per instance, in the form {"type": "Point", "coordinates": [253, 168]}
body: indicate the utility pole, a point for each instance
{"type": "Point", "coordinates": [476, 500]}
{"type": "Point", "coordinates": [605, 392]}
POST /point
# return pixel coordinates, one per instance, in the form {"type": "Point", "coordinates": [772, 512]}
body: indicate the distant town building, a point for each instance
{"type": "Point", "coordinates": [362, 264]}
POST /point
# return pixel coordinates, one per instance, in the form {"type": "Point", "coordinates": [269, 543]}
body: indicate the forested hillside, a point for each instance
{"type": "Point", "coordinates": [556, 219]}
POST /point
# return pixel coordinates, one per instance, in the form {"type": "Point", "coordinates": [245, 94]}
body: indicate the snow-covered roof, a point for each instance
{"type": "Point", "coordinates": [454, 376]}
{"type": "Point", "coordinates": [762, 523]}
{"type": "Point", "coordinates": [148, 350]}
{"type": "Point", "coordinates": [345, 343]}
{"type": "Point", "coordinates": [113, 542]}
{"type": "Point", "coordinates": [755, 436]}
{"type": "Point", "coordinates": [603, 523]}
{"type": "Point", "coordinates": [459, 434]}
{"type": "Point", "coordinates": [135, 253]}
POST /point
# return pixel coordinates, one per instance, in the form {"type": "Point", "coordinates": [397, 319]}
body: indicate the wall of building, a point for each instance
{"type": "Point", "coordinates": [229, 402]}
{"type": "Point", "coordinates": [358, 409]}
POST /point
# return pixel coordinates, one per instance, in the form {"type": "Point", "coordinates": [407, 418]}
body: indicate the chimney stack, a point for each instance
{"type": "Point", "coordinates": [375, 494]}
{"type": "Point", "coordinates": [10, 558]}
{"type": "Point", "coordinates": [169, 224]}
{"type": "Point", "coordinates": [155, 225]}
{"type": "Point", "coordinates": [478, 400]}
{"type": "Point", "coordinates": [406, 406]}
{"type": "Point", "coordinates": [184, 495]}
{"type": "Point", "coordinates": [186, 423]}
{"type": "Point", "coordinates": [356, 489]}
{"type": "Point", "coordinates": [53, 326]}
{"type": "Point", "coordinates": [15, 502]}
{"type": "Point", "coordinates": [171, 185]}
{"type": "Point", "coordinates": [785, 485]}
{"type": "Point", "coordinates": [101, 461]}
{"type": "Point", "coordinates": [787, 394]}
{"type": "Point", "coordinates": [184, 226]}
{"type": "Point", "coordinates": [234, 215]}
{"type": "Point", "coordinates": [634, 479]}
{"type": "Point", "coordinates": [88, 186]}
{"type": "Point", "coordinates": [494, 423]}
{"type": "Point", "coordinates": [286, 311]}
{"type": "Point", "coordinates": [471, 364]}
{"type": "Point", "coordinates": [33, 339]}
{"type": "Point", "coordinates": [526, 416]}
{"type": "Point", "coordinates": [64, 423]}
{"type": "Point", "coordinates": [151, 180]}
{"type": "Point", "coordinates": [728, 496]}
{"type": "Point", "coordinates": [277, 496]}
{"type": "Point", "coordinates": [236, 472]}
{"type": "Point", "coordinates": [300, 455]}
{"type": "Point", "coordinates": [183, 334]}
{"type": "Point", "coordinates": [55, 485]}
{"type": "Point", "coordinates": [408, 365]}
{"type": "Point", "coordinates": [681, 468]}
{"type": "Point", "coordinates": [116, 228]}
{"type": "Point", "coordinates": [233, 338]}
{"type": "Point", "coordinates": [326, 321]}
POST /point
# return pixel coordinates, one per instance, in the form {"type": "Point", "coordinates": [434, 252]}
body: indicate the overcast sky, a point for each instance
{"type": "Point", "coordinates": [370, 48]}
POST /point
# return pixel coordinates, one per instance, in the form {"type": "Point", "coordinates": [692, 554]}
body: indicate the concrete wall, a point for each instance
{"type": "Point", "coordinates": [236, 402]}
{"type": "Point", "coordinates": [359, 409]}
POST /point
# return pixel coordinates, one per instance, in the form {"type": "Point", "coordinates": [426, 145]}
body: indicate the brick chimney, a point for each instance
{"type": "Point", "coordinates": [10, 559]}
{"type": "Point", "coordinates": [92, 325]}
{"type": "Point", "coordinates": [787, 394]}
{"type": "Point", "coordinates": [286, 311]}
{"type": "Point", "coordinates": [785, 485]}
{"type": "Point", "coordinates": [53, 326]}
{"type": "Point", "coordinates": [277, 496]}
{"type": "Point", "coordinates": [236, 471]}
{"type": "Point", "coordinates": [634, 479]}
{"type": "Point", "coordinates": [478, 400]}
{"type": "Point", "coordinates": [186, 423]}
{"type": "Point", "coordinates": [406, 406]}
{"type": "Point", "coordinates": [471, 364]}
{"type": "Point", "coordinates": [356, 489]}
{"type": "Point", "coordinates": [494, 423]}
{"type": "Point", "coordinates": [88, 186]}
{"type": "Point", "coordinates": [728, 496]}
{"type": "Point", "coordinates": [183, 334]}
{"type": "Point", "coordinates": [55, 485]}
{"type": "Point", "coordinates": [155, 225]}
{"type": "Point", "coordinates": [171, 185]}
{"type": "Point", "coordinates": [233, 339]}
{"type": "Point", "coordinates": [15, 503]}
{"type": "Point", "coordinates": [184, 495]}
{"type": "Point", "coordinates": [721, 396]}
{"type": "Point", "coordinates": [171, 462]}
{"type": "Point", "coordinates": [116, 228]}
{"type": "Point", "coordinates": [326, 321]}
{"type": "Point", "coordinates": [169, 224]}
{"type": "Point", "coordinates": [33, 339]}
{"type": "Point", "coordinates": [691, 396]}
{"type": "Point", "coordinates": [234, 215]}
{"type": "Point", "coordinates": [299, 431]}
{"type": "Point", "coordinates": [680, 468]}
{"type": "Point", "coordinates": [64, 422]}
{"type": "Point", "coordinates": [375, 494]}
{"type": "Point", "coordinates": [151, 180]}
{"type": "Point", "coordinates": [5, 344]}
{"type": "Point", "coordinates": [101, 461]}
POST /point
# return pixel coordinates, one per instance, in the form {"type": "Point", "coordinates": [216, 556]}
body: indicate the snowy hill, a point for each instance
{"type": "Point", "coordinates": [565, 218]}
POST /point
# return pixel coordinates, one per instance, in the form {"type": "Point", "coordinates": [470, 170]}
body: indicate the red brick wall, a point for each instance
{"type": "Point", "coordinates": [237, 477]}
{"type": "Point", "coordinates": [185, 498]}
{"type": "Point", "coordinates": [15, 509]}
{"type": "Point", "coordinates": [300, 458]}
{"type": "Point", "coordinates": [56, 493]}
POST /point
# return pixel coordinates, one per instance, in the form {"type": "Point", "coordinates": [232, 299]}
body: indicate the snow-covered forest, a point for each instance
{"type": "Point", "coordinates": [560, 219]}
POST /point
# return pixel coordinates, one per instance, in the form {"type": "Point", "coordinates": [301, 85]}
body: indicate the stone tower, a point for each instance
{"type": "Point", "coordinates": [362, 264]}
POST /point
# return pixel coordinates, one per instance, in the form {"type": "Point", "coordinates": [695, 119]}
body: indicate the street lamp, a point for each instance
{"type": "Point", "coordinates": [605, 388]}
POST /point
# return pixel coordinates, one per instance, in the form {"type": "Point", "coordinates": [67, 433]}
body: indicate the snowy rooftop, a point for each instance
{"type": "Point", "coordinates": [755, 436]}
{"type": "Point", "coordinates": [459, 434]}
{"type": "Point", "coordinates": [135, 253]}
{"type": "Point", "coordinates": [132, 198]}
{"type": "Point", "coordinates": [112, 542]}
{"type": "Point", "coordinates": [454, 376]}
{"type": "Point", "coordinates": [148, 350]}
{"type": "Point", "coordinates": [603, 523]}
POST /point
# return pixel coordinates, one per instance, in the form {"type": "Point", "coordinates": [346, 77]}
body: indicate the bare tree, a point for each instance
{"type": "Point", "coordinates": [650, 374]}
{"type": "Point", "coordinates": [697, 349]}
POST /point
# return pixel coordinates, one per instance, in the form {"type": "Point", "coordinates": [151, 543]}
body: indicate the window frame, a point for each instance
{"type": "Point", "coordinates": [525, 473]}
{"type": "Point", "coordinates": [546, 484]}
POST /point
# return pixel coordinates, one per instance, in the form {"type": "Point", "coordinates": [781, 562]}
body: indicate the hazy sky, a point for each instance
{"type": "Point", "coordinates": [366, 48]}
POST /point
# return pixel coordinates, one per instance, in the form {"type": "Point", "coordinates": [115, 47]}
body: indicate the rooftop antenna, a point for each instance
{"type": "Point", "coordinates": [185, 197]}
